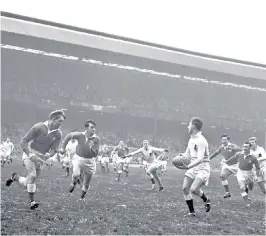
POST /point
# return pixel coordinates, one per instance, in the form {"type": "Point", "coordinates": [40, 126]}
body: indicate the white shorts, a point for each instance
{"type": "Point", "coordinates": [164, 164]}
{"type": "Point", "coordinates": [32, 162]}
{"type": "Point", "coordinates": [66, 161]}
{"type": "Point", "coordinates": [104, 160]}
{"type": "Point", "coordinates": [121, 161]}
{"type": "Point", "coordinates": [245, 176]}
{"type": "Point", "coordinates": [86, 165]}
{"type": "Point", "coordinates": [5, 154]}
{"type": "Point", "coordinates": [262, 176]}
{"type": "Point", "coordinates": [153, 165]}
{"type": "Point", "coordinates": [202, 171]}
{"type": "Point", "coordinates": [232, 168]}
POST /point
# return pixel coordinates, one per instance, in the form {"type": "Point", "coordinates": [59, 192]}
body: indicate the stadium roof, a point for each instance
{"type": "Point", "coordinates": [69, 34]}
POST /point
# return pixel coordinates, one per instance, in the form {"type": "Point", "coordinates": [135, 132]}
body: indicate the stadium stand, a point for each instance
{"type": "Point", "coordinates": [126, 94]}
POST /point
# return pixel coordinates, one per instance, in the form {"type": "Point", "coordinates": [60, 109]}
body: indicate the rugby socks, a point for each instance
{"type": "Point", "coordinates": [226, 186]}
{"type": "Point", "coordinates": [190, 205]}
{"type": "Point", "coordinates": [204, 198]}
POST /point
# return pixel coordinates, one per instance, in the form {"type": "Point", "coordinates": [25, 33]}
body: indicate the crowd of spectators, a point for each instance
{"type": "Point", "coordinates": [52, 81]}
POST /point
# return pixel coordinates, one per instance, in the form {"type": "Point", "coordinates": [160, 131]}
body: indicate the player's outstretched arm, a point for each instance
{"type": "Point", "coordinates": [132, 153]}
{"type": "Point", "coordinates": [232, 158]}
{"type": "Point", "coordinates": [217, 152]}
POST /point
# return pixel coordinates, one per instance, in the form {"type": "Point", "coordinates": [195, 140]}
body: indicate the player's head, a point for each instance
{"type": "Point", "coordinates": [246, 147]}
{"type": "Point", "coordinates": [146, 143]}
{"type": "Point", "coordinates": [90, 126]}
{"type": "Point", "coordinates": [121, 143]}
{"type": "Point", "coordinates": [225, 139]}
{"type": "Point", "coordinates": [253, 142]}
{"type": "Point", "coordinates": [195, 125]}
{"type": "Point", "coordinates": [7, 140]}
{"type": "Point", "coordinates": [56, 119]}
{"type": "Point", "coordinates": [104, 146]}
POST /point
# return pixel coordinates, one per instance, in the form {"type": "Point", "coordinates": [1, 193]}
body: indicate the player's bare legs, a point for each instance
{"type": "Point", "coordinates": [191, 186]}
{"type": "Point", "coordinates": [125, 169]}
{"type": "Point", "coordinates": [107, 166]}
{"type": "Point", "coordinates": [75, 175]}
{"type": "Point", "coordinates": [187, 194]}
{"type": "Point", "coordinates": [86, 184]}
{"type": "Point", "coordinates": [153, 172]}
{"type": "Point", "coordinates": [224, 175]}
{"type": "Point", "coordinates": [196, 189]}
{"type": "Point", "coordinates": [29, 182]}
{"type": "Point", "coordinates": [119, 171]}
{"type": "Point", "coordinates": [244, 192]}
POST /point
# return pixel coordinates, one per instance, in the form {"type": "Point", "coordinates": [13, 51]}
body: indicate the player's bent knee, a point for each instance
{"type": "Point", "coordinates": [185, 189]}
{"type": "Point", "coordinates": [223, 177]}
{"type": "Point", "coordinates": [194, 191]}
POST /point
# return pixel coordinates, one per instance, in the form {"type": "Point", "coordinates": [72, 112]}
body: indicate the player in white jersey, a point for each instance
{"type": "Point", "coordinates": [148, 155]}
{"type": "Point", "coordinates": [70, 152]}
{"type": "Point", "coordinates": [6, 150]}
{"type": "Point", "coordinates": [198, 171]}
{"type": "Point", "coordinates": [260, 154]}
{"type": "Point", "coordinates": [114, 157]}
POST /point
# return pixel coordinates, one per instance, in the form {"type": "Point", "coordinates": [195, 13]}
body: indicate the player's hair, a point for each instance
{"type": "Point", "coordinates": [247, 142]}
{"type": "Point", "coordinates": [56, 114]}
{"type": "Point", "coordinates": [252, 139]}
{"type": "Point", "coordinates": [197, 123]}
{"type": "Point", "coordinates": [88, 122]}
{"type": "Point", "coordinates": [225, 136]}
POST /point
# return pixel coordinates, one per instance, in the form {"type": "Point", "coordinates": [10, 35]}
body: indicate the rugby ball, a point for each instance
{"type": "Point", "coordinates": [180, 160]}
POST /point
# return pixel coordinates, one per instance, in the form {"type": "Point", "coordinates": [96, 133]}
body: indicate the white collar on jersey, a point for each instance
{"type": "Point", "coordinates": [245, 156]}
{"type": "Point", "coordinates": [196, 135]}
{"type": "Point", "coordinates": [49, 131]}
{"type": "Point", "coordinates": [227, 144]}
{"type": "Point", "coordinates": [93, 136]}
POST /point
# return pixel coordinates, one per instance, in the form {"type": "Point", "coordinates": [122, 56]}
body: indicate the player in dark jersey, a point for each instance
{"type": "Point", "coordinates": [227, 150]}
{"type": "Point", "coordinates": [44, 139]}
{"type": "Point", "coordinates": [104, 158]}
{"type": "Point", "coordinates": [121, 151]}
{"type": "Point", "coordinates": [84, 159]}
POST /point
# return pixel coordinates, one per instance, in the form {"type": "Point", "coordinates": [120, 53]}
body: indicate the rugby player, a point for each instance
{"type": "Point", "coordinates": [84, 159]}
{"type": "Point", "coordinates": [44, 139]}
{"type": "Point", "coordinates": [227, 150]}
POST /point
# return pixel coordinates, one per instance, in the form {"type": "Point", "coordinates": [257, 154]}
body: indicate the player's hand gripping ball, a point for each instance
{"type": "Point", "coordinates": [180, 161]}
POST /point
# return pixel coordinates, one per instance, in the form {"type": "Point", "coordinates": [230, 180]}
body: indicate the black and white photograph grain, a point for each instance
{"type": "Point", "coordinates": [122, 117]}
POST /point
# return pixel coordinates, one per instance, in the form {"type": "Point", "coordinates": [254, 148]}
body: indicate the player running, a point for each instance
{"type": "Point", "coordinates": [121, 150]}
{"type": "Point", "coordinates": [260, 154]}
{"type": "Point", "coordinates": [163, 158]}
{"type": "Point", "coordinates": [7, 149]}
{"type": "Point", "coordinates": [198, 171]}
{"type": "Point", "coordinates": [245, 174]}
{"type": "Point", "coordinates": [227, 150]}
{"type": "Point", "coordinates": [104, 158]}
{"type": "Point", "coordinates": [114, 157]}
{"type": "Point", "coordinates": [84, 159]}
{"type": "Point", "coordinates": [44, 139]}
{"type": "Point", "coordinates": [152, 164]}
{"type": "Point", "coordinates": [70, 152]}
